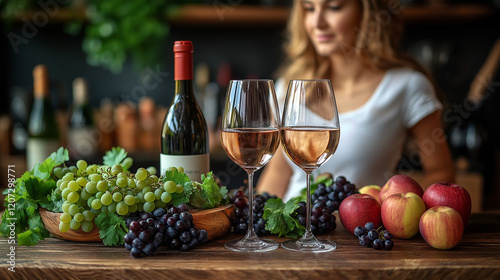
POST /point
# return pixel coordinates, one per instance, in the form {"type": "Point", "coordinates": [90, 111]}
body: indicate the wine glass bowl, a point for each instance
{"type": "Point", "coordinates": [310, 134]}
{"type": "Point", "coordinates": [250, 136]}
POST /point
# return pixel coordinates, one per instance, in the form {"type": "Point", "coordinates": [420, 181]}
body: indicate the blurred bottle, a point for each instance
{"type": "Point", "coordinates": [149, 132]}
{"type": "Point", "coordinates": [20, 101]}
{"type": "Point", "coordinates": [83, 137]}
{"type": "Point", "coordinates": [42, 128]}
{"type": "Point", "coordinates": [106, 125]}
{"type": "Point", "coordinates": [126, 126]}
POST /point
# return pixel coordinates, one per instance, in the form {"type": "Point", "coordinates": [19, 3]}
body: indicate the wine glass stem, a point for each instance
{"type": "Point", "coordinates": [308, 232]}
{"type": "Point", "coordinates": [250, 232]}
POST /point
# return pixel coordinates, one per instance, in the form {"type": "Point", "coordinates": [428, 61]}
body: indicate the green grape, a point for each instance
{"type": "Point", "coordinates": [166, 197]}
{"type": "Point", "coordinates": [149, 196]}
{"type": "Point", "coordinates": [78, 217]}
{"type": "Point", "coordinates": [84, 194]}
{"type": "Point", "coordinates": [73, 197]}
{"type": "Point", "coordinates": [88, 215]}
{"type": "Point", "coordinates": [127, 163]}
{"type": "Point", "coordinates": [87, 226]}
{"type": "Point", "coordinates": [58, 183]}
{"type": "Point", "coordinates": [151, 170]}
{"type": "Point", "coordinates": [81, 164]}
{"type": "Point", "coordinates": [73, 186]}
{"type": "Point", "coordinates": [58, 172]}
{"type": "Point", "coordinates": [81, 202]}
{"type": "Point", "coordinates": [64, 227]}
{"type": "Point", "coordinates": [117, 196]}
{"type": "Point", "coordinates": [66, 206]}
{"type": "Point", "coordinates": [158, 193]}
{"type": "Point", "coordinates": [160, 204]}
{"type": "Point", "coordinates": [170, 186]}
{"type": "Point", "coordinates": [112, 207]}
{"type": "Point", "coordinates": [95, 211]}
{"type": "Point", "coordinates": [122, 175]}
{"type": "Point", "coordinates": [180, 169]}
{"type": "Point", "coordinates": [131, 183]}
{"type": "Point", "coordinates": [89, 201]}
{"type": "Point", "coordinates": [180, 188]}
{"type": "Point", "coordinates": [116, 169]}
{"type": "Point", "coordinates": [65, 193]}
{"type": "Point", "coordinates": [81, 181]}
{"type": "Point", "coordinates": [149, 181]}
{"type": "Point", "coordinates": [65, 218]}
{"type": "Point", "coordinates": [73, 169]}
{"type": "Point", "coordinates": [149, 206]}
{"type": "Point", "coordinates": [95, 178]}
{"type": "Point", "coordinates": [63, 185]}
{"type": "Point", "coordinates": [91, 169]}
{"type": "Point", "coordinates": [154, 178]}
{"type": "Point", "coordinates": [111, 183]}
{"type": "Point", "coordinates": [98, 195]}
{"type": "Point", "coordinates": [104, 209]}
{"type": "Point", "coordinates": [141, 174]}
{"type": "Point", "coordinates": [68, 177]}
{"type": "Point", "coordinates": [91, 187]}
{"type": "Point", "coordinates": [132, 208]}
{"type": "Point", "coordinates": [129, 199]}
{"type": "Point", "coordinates": [172, 169]}
{"type": "Point", "coordinates": [121, 208]}
{"type": "Point", "coordinates": [140, 197]}
{"type": "Point", "coordinates": [122, 182]}
{"type": "Point", "coordinates": [102, 186]}
{"type": "Point", "coordinates": [74, 225]}
{"type": "Point", "coordinates": [146, 190]}
{"type": "Point", "coordinates": [73, 209]}
{"type": "Point", "coordinates": [106, 198]}
{"type": "Point", "coordinates": [96, 204]}
{"type": "Point", "coordinates": [140, 184]}
{"type": "Point", "coordinates": [65, 170]}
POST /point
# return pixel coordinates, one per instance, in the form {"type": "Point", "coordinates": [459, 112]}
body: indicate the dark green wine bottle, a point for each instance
{"type": "Point", "coordinates": [184, 136]}
{"type": "Point", "coordinates": [42, 128]}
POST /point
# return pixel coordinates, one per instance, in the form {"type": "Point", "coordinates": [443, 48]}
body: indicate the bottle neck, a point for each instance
{"type": "Point", "coordinates": [183, 66]}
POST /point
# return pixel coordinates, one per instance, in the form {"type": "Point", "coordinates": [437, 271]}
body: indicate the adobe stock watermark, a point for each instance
{"type": "Point", "coordinates": [39, 19]}
{"type": "Point", "coordinates": [222, 7]}
{"type": "Point", "coordinates": [11, 217]}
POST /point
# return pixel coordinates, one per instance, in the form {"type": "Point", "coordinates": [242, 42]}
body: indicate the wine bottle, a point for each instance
{"type": "Point", "coordinates": [184, 135]}
{"type": "Point", "coordinates": [82, 134]}
{"type": "Point", "coordinates": [42, 127]}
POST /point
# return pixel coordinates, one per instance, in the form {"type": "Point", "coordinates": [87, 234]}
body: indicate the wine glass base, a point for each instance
{"type": "Point", "coordinates": [316, 246]}
{"type": "Point", "coordinates": [251, 245]}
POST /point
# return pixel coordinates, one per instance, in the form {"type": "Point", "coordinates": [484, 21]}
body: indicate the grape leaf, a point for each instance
{"type": "Point", "coordinates": [279, 218]}
{"type": "Point", "coordinates": [32, 236]}
{"type": "Point", "coordinates": [115, 156]}
{"type": "Point", "coordinates": [43, 170]}
{"type": "Point", "coordinates": [112, 228]}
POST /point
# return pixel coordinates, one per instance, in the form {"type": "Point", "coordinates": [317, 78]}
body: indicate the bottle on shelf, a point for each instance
{"type": "Point", "coordinates": [43, 132]}
{"type": "Point", "coordinates": [149, 132]}
{"type": "Point", "coordinates": [83, 137]}
{"type": "Point", "coordinates": [184, 135]}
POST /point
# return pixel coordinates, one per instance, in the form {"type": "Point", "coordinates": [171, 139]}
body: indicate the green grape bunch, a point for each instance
{"type": "Point", "coordinates": [88, 190]}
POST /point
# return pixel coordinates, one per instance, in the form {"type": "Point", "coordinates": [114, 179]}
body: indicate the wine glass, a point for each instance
{"type": "Point", "coordinates": [250, 137]}
{"type": "Point", "coordinates": [310, 133]}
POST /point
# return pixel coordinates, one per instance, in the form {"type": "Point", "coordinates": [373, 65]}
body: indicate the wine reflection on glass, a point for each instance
{"type": "Point", "coordinates": [250, 137]}
{"type": "Point", "coordinates": [310, 133]}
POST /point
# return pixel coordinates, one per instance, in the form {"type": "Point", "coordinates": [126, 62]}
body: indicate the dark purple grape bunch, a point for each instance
{"type": "Point", "coordinates": [240, 220]}
{"type": "Point", "coordinates": [334, 194]}
{"type": "Point", "coordinates": [378, 239]}
{"type": "Point", "coordinates": [322, 218]}
{"type": "Point", "coordinates": [174, 228]}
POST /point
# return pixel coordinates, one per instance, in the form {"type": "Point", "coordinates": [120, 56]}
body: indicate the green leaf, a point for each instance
{"type": "Point", "coordinates": [60, 156]}
{"type": "Point", "coordinates": [44, 169]}
{"type": "Point", "coordinates": [112, 228]}
{"type": "Point", "coordinates": [280, 220]}
{"type": "Point", "coordinates": [115, 156]}
{"type": "Point", "coordinates": [32, 236]}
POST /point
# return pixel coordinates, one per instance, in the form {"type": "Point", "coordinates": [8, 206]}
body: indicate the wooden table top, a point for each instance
{"type": "Point", "coordinates": [476, 257]}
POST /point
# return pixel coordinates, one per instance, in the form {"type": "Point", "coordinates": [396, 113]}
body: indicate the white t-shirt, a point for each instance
{"type": "Point", "coordinates": [372, 136]}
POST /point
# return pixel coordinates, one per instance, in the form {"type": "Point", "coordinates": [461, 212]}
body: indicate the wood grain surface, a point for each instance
{"type": "Point", "coordinates": [476, 257]}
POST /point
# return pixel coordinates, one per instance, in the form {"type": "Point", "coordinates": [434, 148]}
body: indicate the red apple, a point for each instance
{"type": "Point", "coordinates": [451, 195]}
{"type": "Point", "coordinates": [400, 184]}
{"type": "Point", "coordinates": [441, 227]}
{"type": "Point", "coordinates": [401, 213]}
{"type": "Point", "coordinates": [372, 190]}
{"type": "Point", "coordinates": [359, 209]}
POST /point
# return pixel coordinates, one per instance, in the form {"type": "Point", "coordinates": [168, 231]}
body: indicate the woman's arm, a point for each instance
{"type": "Point", "coordinates": [276, 175]}
{"type": "Point", "coordinates": [435, 155]}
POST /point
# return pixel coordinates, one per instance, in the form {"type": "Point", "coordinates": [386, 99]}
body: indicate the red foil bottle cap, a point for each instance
{"type": "Point", "coordinates": [183, 55]}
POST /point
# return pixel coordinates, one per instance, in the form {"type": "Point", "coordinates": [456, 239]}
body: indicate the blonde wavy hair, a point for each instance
{"type": "Point", "coordinates": [377, 43]}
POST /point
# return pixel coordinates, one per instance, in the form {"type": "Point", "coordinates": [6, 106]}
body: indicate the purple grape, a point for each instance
{"type": "Point", "coordinates": [135, 252]}
{"type": "Point", "coordinates": [359, 230]}
{"type": "Point", "coordinates": [378, 244]}
{"type": "Point", "coordinates": [388, 244]}
{"type": "Point", "coordinates": [134, 226]}
{"type": "Point", "coordinates": [369, 226]}
{"type": "Point", "coordinates": [373, 234]}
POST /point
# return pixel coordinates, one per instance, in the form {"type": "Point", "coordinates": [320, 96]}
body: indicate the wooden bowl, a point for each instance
{"type": "Point", "coordinates": [216, 222]}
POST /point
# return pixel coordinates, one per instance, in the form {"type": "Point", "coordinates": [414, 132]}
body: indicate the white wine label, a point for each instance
{"type": "Point", "coordinates": [194, 165]}
{"type": "Point", "coordinates": [37, 150]}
